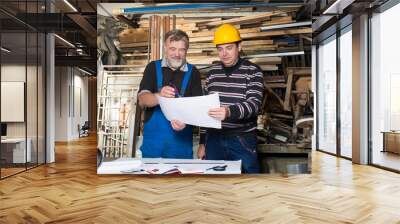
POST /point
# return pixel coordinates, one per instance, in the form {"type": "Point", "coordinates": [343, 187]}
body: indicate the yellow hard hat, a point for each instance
{"type": "Point", "coordinates": [226, 34]}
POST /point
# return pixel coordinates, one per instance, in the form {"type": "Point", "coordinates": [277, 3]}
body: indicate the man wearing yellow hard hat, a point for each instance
{"type": "Point", "coordinates": [240, 85]}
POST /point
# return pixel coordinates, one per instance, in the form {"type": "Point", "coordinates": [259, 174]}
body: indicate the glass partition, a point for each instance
{"type": "Point", "coordinates": [327, 95]}
{"type": "Point", "coordinates": [22, 77]}
{"type": "Point", "coordinates": [14, 153]}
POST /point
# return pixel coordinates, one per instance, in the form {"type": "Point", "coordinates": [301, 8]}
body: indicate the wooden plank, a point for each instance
{"type": "Point", "coordinates": [257, 42]}
{"type": "Point", "coordinates": [260, 48]}
{"type": "Point", "coordinates": [135, 50]}
{"type": "Point", "coordinates": [270, 91]}
{"type": "Point", "coordinates": [244, 44]}
{"type": "Point", "coordinates": [152, 37]}
{"type": "Point", "coordinates": [286, 104]}
{"type": "Point", "coordinates": [274, 79]}
{"type": "Point", "coordinates": [200, 45]}
{"type": "Point", "coordinates": [133, 35]}
{"type": "Point", "coordinates": [276, 85]}
{"type": "Point", "coordinates": [268, 63]}
{"type": "Point", "coordinates": [194, 51]}
{"type": "Point", "coordinates": [201, 34]}
{"type": "Point", "coordinates": [211, 33]}
{"type": "Point", "coordinates": [266, 60]}
{"type": "Point", "coordinates": [282, 43]}
{"type": "Point", "coordinates": [284, 116]}
{"type": "Point", "coordinates": [152, 30]}
{"type": "Point", "coordinates": [135, 55]}
{"type": "Point", "coordinates": [208, 15]}
{"type": "Point", "coordinates": [260, 34]}
{"type": "Point", "coordinates": [201, 39]}
{"type": "Point", "coordinates": [137, 62]}
{"type": "Point", "coordinates": [305, 37]}
{"type": "Point", "coordinates": [202, 60]}
{"type": "Point", "coordinates": [268, 67]}
{"type": "Point", "coordinates": [206, 21]}
{"type": "Point", "coordinates": [277, 33]}
{"type": "Point", "coordinates": [300, 70]}
{"type": "Point", "coordinates": [167, 26]}
{"type": "Point", "coordinates": [179, 21]}
{"type": "Point", "coordinates": [155, 37]}
{"type": "Point", "coordinates": [279, 148]}
{"type": "Point", "coordinates": [187, 28]}
{"type": "Point", "coordinates": [247, 19]}
{"type": "Point", "coordinates": [139, 44]}
{"type": "Point", "coordinates": [208, 50]}
{"type": "Point", "coordinates": [158, 38]}
{"type": "Point", "coordinates": [174, 22]}
{"type": "Point", "coordinates": [278, 20]}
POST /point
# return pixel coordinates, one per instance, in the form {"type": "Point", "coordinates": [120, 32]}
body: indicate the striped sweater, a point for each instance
{"type": "Point", "coordinates": [241, 88]}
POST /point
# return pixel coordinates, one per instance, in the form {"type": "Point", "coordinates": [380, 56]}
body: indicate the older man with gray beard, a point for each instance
{"type": "Point", "coordinates": [170, 77]}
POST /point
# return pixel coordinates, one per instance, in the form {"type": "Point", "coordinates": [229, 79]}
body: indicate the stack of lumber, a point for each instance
{"type": "Point", "coordinates": [147, 39]}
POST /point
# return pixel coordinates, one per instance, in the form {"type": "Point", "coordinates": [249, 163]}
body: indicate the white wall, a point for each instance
{"type": "Point", "coordinates": [70, 84]}
{"type": "Point", "coordinates": [12, 73]}
{"type": "Point", "coordinates": [79, 117]}
{"type": "Point", "coordinates": [62, 81]}
{"type": "Point", "coordinates": [15, 73]}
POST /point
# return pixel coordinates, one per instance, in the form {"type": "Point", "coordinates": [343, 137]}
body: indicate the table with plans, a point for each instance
{"type": "Point", "coordinates": [169, 166]}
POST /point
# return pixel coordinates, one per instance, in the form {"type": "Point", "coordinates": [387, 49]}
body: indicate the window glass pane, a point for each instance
{"type": "Point", "coordinates": [327, 96]}
{"type": "Point", "coordinates": [22, 87]}
{"type": "Point", "coordinates": [385, 84]}
{"type": "Point", "coordinates": [346, 93]}
{"type": "Point", "coordinates": [31, 97]}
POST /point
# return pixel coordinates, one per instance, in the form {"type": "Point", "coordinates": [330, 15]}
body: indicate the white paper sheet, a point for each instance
{"type": "Point", "coordinates": [191, 110]}
{"type": "Point", "coordinates": [119, 166]}
{"type": "Point", "coordinates": [188, 166]}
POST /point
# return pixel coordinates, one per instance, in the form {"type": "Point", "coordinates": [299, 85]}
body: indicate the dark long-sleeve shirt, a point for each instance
{"type": "Point", "coordinates": [241, 88]}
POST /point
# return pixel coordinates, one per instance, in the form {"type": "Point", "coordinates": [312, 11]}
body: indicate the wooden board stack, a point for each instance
{"type": "Point", "coordinates": [136, 44]}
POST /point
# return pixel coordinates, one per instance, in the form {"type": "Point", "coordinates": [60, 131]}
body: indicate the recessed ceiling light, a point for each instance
{"type": "Point", "coordinates": [64, 40]}
{"type": "Point", "coordinates": [5, 50]}
{"type": "Point", "coordinates": [70, 5]}
{"type": "Point", "coordinates": [86, 72]}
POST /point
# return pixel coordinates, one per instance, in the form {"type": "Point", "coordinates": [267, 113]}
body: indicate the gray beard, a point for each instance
{"type": "Point", "coordinates": [173, 63]}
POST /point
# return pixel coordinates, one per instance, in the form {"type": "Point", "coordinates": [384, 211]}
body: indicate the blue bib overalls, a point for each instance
{"type": "Point", "coordinates": [159, 139]}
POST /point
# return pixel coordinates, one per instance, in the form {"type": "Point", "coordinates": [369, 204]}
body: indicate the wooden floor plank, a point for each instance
{"type": "Point", "coordinates": [70, 191]}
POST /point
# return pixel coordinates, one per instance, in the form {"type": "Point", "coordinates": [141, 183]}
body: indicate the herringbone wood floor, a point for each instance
{"type": "Point", "coordinates": [69, 191]}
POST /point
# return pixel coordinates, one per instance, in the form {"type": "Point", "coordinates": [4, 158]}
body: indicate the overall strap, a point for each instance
{"type": "Point", "coordinates": [159, 74]}
{"type": "Point", "coordinates": [186, 79]}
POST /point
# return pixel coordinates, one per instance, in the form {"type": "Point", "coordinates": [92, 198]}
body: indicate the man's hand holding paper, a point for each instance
{"type": "Point", "coordinates": [191, 110]}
